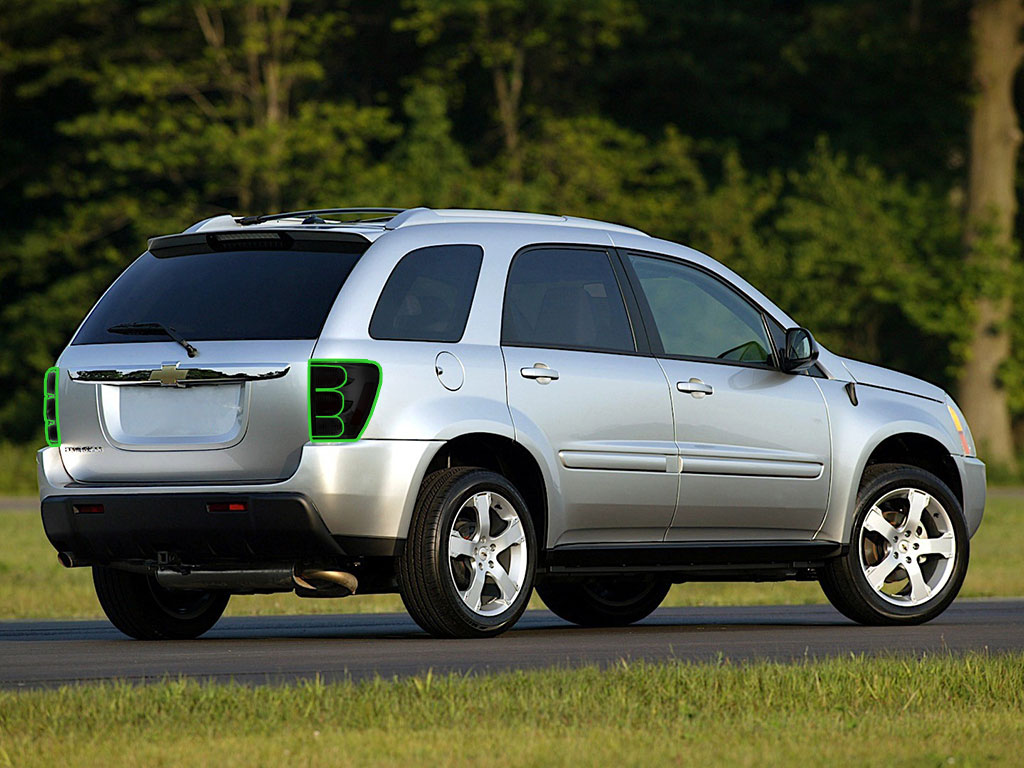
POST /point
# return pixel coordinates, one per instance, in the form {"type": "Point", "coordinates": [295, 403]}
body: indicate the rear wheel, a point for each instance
{"type": "Point", "coordinates": [468, 564]}
{"type": "Point", "coordinates": [142, 609]}
{"type": "Point", "coordinates": [908, 553]}
{"type": "Point", "coordinates": [604, 602]}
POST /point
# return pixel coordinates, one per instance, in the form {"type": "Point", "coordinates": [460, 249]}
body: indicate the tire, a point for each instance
{"type": "Point", "coordinates": [456, 577]}
{"type": "Point", "coordinates": [604, 602]}
{"type": "Point", "coordinates": [142, 609]}
{"type": "Point", "coordinates": [895, 572]}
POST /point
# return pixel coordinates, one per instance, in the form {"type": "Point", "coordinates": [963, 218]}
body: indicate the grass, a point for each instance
{"type": "Point", "coordinates": [27, 561]}
{"type": "Point", "coordinates": [18, 469]}
{"type": "Point", "coordinates": [929, 712]}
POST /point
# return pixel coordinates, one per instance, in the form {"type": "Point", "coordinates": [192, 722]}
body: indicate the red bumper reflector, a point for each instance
{"type": "Point", "coordinates": [89, 509]}
{"type": "Point", "coordinates": [226, 506]}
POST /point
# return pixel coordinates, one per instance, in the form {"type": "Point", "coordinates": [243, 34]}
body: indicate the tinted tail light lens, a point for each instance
{"type": "Point", "coordinates": [342, 395]}
{"type": "Point", "coordinates": [51, 407]}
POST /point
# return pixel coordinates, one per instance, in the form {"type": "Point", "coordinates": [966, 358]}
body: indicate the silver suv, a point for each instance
{"type": "Point", "coordinates": [461, 405]}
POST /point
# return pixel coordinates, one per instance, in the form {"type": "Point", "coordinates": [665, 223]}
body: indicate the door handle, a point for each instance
{"type": "Point", "coordinates": [540, 372]}
{"type": "Point", "coordinates": [695, 387]}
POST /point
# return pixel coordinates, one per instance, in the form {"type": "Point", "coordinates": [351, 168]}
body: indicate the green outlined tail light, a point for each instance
{"type": "Point", "coordinates": [342, 396]}
{"type": "Point", "coordinates": [51, 407]}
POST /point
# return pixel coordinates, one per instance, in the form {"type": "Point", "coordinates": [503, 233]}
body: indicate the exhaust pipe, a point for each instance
{"type": "Point", "coordinates": [68, 560]}
{"type": "Point", "coordinates": [310, 582]}
{"type": "Point", "coordinates": [330, 583]}
{"type": "Point", "coordinates": [249, 580]}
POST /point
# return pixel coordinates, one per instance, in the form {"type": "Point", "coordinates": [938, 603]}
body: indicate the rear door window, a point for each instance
{"type": "Point", "coordinates": [428, 295]}
{"type": "Point", "coordinates": [228, 295]}
{"type": "Point", "coordinates": [565, 298]}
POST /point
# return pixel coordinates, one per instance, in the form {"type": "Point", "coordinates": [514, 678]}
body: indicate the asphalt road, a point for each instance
{"type": "Point", "coordinates": [257, 650]}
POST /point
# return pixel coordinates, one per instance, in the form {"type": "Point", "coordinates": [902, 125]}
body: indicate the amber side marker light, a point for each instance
{"type": "Point", "coordinates": [959, 430]}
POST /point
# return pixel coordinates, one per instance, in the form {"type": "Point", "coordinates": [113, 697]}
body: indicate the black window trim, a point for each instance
{"type": "Point", "coordinates": [654, 339]}
{"type": "Point", "coordinates": [472, 299]}
{"type": "Point", "coordinates": [633, 317]}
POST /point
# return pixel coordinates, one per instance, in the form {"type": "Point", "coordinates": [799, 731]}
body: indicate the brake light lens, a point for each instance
{"type": "Point", "coordinates": [342, 396]}
{"type": "Point", "coordinates": [51, 407]}
{"type": "Point", "coordinates": [959, 429]}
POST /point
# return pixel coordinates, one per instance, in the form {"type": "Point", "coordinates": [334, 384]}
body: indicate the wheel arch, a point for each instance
{"type": "Point", "coordinates": [507, 457]}
{"type": "Point", "coordinates": [911, 444]}
{"type": "Point", "coordinates": [918, 450]}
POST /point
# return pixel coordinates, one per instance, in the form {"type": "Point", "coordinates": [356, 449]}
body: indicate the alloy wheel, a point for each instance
{"type": "Point", "coordinates": [907, 547]}
{"type": "Point", "coordinates": [487, 556]}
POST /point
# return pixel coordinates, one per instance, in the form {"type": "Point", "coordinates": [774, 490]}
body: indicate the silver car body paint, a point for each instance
{"type": "Point", "coordinates": [775, 456]}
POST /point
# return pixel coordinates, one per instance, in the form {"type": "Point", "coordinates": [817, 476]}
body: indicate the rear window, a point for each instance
{"type": "Point", "coordinates": [223, 295]}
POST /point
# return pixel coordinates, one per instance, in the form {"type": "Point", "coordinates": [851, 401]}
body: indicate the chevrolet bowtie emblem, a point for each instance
{"type": "Point", "coordinates": [169, 375]}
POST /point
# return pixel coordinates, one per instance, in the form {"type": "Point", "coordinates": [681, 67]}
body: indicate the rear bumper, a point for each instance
{"type": "Point", "coordinates": [361, 493]}
{"type": "Point", "coordinates": [972, 475]}
{"type": "Point", "coordinates": [181, 528]}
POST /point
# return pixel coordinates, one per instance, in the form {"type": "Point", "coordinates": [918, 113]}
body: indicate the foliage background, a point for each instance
{"type": "Point", "coordinates": [816, 146]}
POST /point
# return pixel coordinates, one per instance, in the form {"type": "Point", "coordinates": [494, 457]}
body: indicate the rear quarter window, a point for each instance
{"type": "Point", "coordinates": [428, 295]}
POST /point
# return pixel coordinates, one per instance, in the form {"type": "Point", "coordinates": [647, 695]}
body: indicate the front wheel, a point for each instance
{"type": "Point", "coordinates": [604, 602]}
{"type": "Point", "coordinates": [467, 566]}
{"type": "Point", "coordinates": [908, 552]}
{"type": "Point", "coordinates": [142, 609]}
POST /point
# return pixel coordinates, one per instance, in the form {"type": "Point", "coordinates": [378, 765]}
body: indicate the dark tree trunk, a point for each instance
{"type": "Point", "coordinates": [995, 138]}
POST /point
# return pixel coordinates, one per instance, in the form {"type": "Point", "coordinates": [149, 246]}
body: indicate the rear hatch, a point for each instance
{"type": "Point", "coordinates": [136, 407]}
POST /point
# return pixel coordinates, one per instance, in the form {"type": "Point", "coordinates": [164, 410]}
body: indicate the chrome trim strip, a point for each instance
{"type": "Point", "coordinates": [172, 375]}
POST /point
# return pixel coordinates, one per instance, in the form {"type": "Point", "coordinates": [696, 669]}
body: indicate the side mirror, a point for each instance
{"type": "Point", "coordinates": [801, 351]}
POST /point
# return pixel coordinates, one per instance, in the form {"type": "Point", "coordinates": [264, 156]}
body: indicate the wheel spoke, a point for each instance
{"type": "Point", "coordinates": [876, 575]}
{"type": "Point", "coordinates": [505, 584]}
{"type": "Point", "coordinates": [876, 522]}
{"type": "Point", "coordinates": [513, 534]}
{"type": "Point", "coordinates": [918, 501]}
{"type": "Point", "coordinates": [459, 547]}
{"type": "Point", "coordinates": [942, 545]}
{"type": "Point", "coordinates": [919, 589]}
{"type": "Point", "coordinates": [482, 504]}
{"type": "Point", "coordinates": [476, 587]}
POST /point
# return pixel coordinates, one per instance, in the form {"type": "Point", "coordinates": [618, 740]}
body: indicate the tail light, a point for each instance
{"type": "Point", "coordinates": [51, 408]}
{"type": "Point", "coordinates": [342, 395]}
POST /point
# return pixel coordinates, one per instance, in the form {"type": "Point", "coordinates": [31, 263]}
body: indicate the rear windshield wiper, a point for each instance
{"type": "Point", "coordinates": [151, 329]}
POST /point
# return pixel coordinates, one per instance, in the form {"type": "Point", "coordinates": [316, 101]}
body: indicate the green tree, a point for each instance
{"type": "Point", "coordinates": [513, 40]}
{"type": "Point", "coordinates": [869, 258]}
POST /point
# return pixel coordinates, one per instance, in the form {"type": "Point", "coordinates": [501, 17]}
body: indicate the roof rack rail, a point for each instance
{"type": "Point", "coordinates": [387, 214]}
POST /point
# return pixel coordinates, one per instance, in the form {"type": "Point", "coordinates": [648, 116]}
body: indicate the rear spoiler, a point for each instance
{"type": "Point", "coordinates": [167, 246]}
